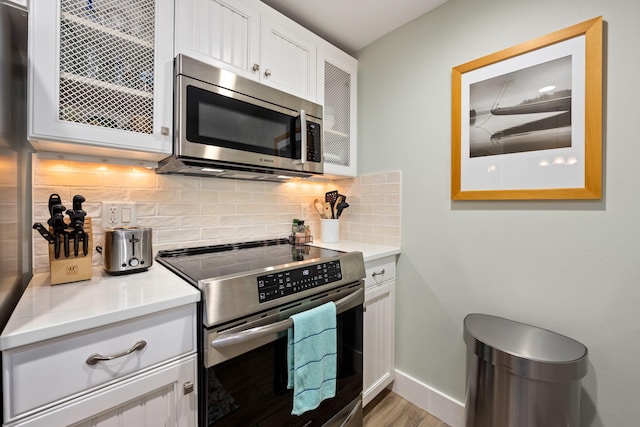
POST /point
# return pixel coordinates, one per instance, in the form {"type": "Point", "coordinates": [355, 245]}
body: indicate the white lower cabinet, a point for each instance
{"type": "Point", "coordinates": [139, 372]}
{"type": "Point", "coordinates": [379, 327]}
{"type": "Point", "coordinates": [164, 396]}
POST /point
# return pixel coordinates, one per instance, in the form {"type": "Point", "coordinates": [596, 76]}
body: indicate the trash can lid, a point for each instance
{"type": "Point", "coordinates": [524, 348]}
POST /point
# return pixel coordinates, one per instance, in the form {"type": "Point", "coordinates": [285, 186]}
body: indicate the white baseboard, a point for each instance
{"type": "Point", "coordinates": [436, 403]}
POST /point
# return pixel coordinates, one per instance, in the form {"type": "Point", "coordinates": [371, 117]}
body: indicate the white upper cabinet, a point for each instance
{"type": "Point", "coordinates": [250, 39]}
{"type": "Point", "coordinates": [337, 92]}
{"type": "Point", "coordinates": [100, 77]}
{"type": "Point", "coordinates": [22, 4]}
{"type": "Point", "coordinates": [288, 55]}
{"type": "Point", "coordinates": [220, 32]}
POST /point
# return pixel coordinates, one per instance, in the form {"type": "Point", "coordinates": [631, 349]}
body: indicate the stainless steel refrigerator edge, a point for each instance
{"type": "Point", "coordinates": [15, 162]}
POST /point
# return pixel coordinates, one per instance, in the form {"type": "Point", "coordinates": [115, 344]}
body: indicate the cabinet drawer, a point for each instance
{"type": "Point", "coordinates": [155, 398]}
{"type": "Point", "coordinates": [40, 374]}
{"type": "Point", "coordinates": [380, 270]}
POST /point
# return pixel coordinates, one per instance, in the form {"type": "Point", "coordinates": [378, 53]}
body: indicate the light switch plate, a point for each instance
{"type": "Point", "coordinates": [115, 214]}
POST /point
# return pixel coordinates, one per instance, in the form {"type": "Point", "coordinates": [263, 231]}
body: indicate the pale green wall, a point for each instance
{"type": "Point", "coordinates": [569, 266]}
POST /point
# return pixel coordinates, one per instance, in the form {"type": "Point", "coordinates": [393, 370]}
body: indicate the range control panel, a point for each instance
{"type": "Point", "coordinates": [284, 283]}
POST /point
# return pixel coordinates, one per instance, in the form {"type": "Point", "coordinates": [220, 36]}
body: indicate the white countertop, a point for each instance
{"type": "Point", "coordinates": [46, 311]}
{"type": "Point", "coordinates": [369, 251]}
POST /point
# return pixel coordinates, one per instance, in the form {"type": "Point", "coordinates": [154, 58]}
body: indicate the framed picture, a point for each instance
{"type": "Point", "coordinates": [527, 121]}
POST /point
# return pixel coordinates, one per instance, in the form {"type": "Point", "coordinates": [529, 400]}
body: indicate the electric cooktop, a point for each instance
{"type": "Point", "coordinates": [207, 262]}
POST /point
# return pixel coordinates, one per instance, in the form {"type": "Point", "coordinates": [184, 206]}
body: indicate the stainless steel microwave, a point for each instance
{"type": "Point", "coordinates": [232, 127]}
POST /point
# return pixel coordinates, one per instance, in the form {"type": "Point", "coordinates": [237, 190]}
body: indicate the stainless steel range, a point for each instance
{"type": "Point", "coordinates": [249, 291]}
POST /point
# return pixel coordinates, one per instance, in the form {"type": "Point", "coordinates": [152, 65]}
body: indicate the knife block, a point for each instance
{"type": "Point", "coordinates": [72, 268]}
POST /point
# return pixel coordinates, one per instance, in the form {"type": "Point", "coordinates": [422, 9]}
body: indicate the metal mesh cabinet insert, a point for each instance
{"type": "Point", "coordinates": [100, 75]}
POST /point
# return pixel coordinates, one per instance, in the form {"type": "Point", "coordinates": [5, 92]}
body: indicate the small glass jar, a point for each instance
{"type": "Point", "coordinates": [299, 234]}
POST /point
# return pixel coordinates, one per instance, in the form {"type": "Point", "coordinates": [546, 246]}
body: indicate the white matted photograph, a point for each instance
{"type": "Point", "coordinates": [527, 121]}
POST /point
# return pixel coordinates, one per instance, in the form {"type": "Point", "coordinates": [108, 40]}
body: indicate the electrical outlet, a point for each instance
{"type": "Point", "coordinates": [305, 210]}
{"type": "Point", "coordinates": [118, 214]}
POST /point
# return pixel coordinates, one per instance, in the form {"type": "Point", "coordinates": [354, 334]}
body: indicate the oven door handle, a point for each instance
{"type": "Point", "coordinates": [236, 338]}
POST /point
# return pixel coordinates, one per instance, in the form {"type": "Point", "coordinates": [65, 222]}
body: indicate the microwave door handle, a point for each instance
{"type": "Point", "coordinates": [235, 338]}
{"type": "Point", "coordinates": [303, 137]}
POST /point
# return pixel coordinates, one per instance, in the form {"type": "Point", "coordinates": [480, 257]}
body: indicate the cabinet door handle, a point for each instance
{"type": "Point", "coordinates": [187, 387]}
{"type": "Point", "coordinates": [374, 274]}
{"type": "Point", "coordinates": [267, 73]}
{"type": "Point", "coordinates": [255, 67]}
{"type": "Point", "coordinates": [164, 130]}
{"type": "Point", "coordinates": [303, 137]}
{"type": "Point", "coordinates": [95, 357]}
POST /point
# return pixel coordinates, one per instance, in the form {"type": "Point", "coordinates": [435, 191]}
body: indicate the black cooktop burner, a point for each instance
{"type": "Point", "coordinates": [207, 262]}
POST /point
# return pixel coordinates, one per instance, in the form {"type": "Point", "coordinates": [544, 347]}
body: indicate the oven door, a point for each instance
{"type": "Point", "coordinates": [250, 388]}
{"type": "Point", "coordinates": [218, 124]}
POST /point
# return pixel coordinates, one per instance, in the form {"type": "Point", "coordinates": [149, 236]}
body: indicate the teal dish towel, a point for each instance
{"type": "Point", "coordinates": [312, 357]}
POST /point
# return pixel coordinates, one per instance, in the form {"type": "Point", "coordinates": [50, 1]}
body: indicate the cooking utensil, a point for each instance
{"type": "Point", "coordinates": [331, 196]}
{"type": "Point", "coordinates": [339, 200]}
{"type": "Point", "coordinates": [341, 205]}
{"type": "Point", "coordinates": [327, 210]}
{"type": "Point", "coordinates": [319, 208]}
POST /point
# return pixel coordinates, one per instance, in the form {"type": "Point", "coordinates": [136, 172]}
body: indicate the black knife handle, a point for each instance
{"type": "Point", "coordinates": [85, 244]}
{"type": "Point", "coordinates": [66, 245]}
{"type": "Point", "coordinates": [43, 231]}
{"type": "Point", "coordinates": [54, 199]}
{"type": "Point", "coordinates": [76, 218]}
{"type": "Point", "coordinates": [78, 200]}
{"type": "Point", "coordinates": [56, 215]}
{"type": "Point", "coordinates": [76, 243]}
{"type": "Point", "coordinates": [56, 246]}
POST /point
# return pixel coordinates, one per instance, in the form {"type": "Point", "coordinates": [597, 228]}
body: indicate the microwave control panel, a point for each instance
{"type": "Point", "coordinates": [285, 283]}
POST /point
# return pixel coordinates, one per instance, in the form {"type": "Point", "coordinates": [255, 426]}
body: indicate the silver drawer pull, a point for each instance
{"type": "Point", "coordinates": [374, 274]}
{"type": "Point", "coordinates": [95, 357]}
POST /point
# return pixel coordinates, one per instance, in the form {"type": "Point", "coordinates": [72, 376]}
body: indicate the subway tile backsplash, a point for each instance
{"type": "Point", "coordinates": [188, 211]}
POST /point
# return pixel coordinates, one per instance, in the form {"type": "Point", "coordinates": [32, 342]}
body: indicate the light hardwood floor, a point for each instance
{"type": "Point", "coordinates": [388, 409]}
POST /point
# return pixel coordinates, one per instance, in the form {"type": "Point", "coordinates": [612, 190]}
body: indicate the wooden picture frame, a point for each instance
{"type": "Point", "coordinates": [513, 141]}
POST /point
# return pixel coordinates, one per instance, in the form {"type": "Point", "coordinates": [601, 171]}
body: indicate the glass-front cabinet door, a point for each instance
{"type": "Point", "coordinates": [337, 91]}
{"type": "Point", "coordinates": [100, 75]}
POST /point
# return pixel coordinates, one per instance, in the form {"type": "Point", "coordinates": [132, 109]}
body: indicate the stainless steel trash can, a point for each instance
{"type": "Point", "coordinates": [521, 376]}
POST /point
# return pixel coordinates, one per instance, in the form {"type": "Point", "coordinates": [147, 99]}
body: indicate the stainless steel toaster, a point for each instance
{"type": "Point", "coordinates": [127, 250]}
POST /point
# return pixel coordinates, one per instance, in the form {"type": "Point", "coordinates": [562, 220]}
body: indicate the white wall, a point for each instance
{"type": "Point", "coordinates": [569, 266]}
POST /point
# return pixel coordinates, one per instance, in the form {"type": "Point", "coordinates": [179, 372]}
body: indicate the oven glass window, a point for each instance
{"type": "Point", "coordinates": [218, 120]}
{"type": "Point", "coordinates": [251, 389]}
